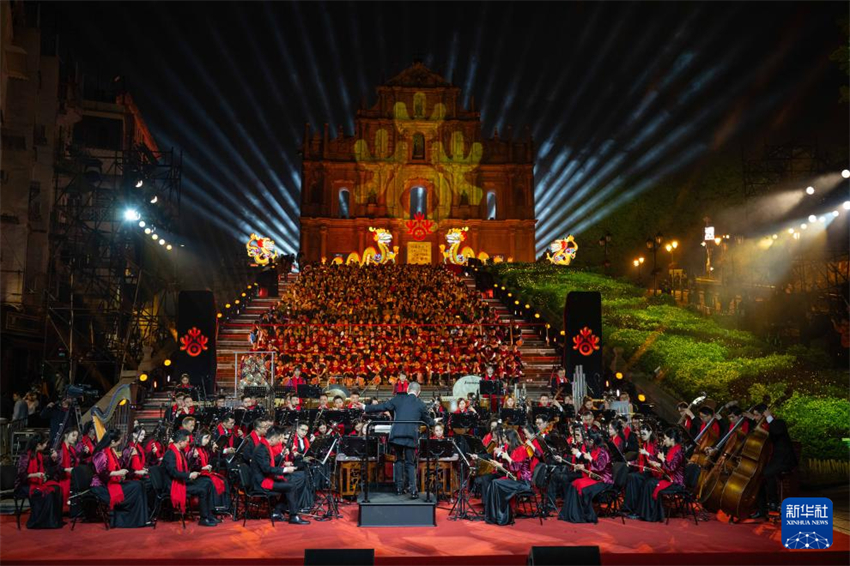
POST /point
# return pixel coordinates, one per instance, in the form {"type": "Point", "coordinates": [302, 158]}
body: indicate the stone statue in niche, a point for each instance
{"type": "Point", "coordinates": [418, 146]}
{"type": "Point", "coordinates": [464, 198]}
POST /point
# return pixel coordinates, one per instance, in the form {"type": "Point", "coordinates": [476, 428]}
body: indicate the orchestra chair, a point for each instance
{"type": "Point", "coordinates": [253, 498]}
{"type": "Point", "coordinates": [610, 500]}
{"type": "Point", "coordinates": [83, 497]}
{"type": "Point", "coordinates": [527, 504]}
{"type": "Point", "coordinates": [8, 475]}
{"type": "Point", "coordinates": [161, 486]}
{"type": "Point", "coordinates": [682, 501]}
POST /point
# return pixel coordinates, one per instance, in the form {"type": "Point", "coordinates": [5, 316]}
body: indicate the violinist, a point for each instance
{"type": "Point", "coordinates": [513, 479]}
{"type": "Point", "coordinates": [63, 461]}
{"type": "Point", "coordinates": [45, 497]}
{"type": "Point", "coordinates": [201, 459]}
{"type": "Point", "coordinates": [491, 435]}
{"type": "Point", "coordinates": [782, 459]}
{"type": "Point", "coordinates": [597, 476]}
{"type": "Point", "coordinates": [127, 500]}
{"type": "Point", "coordinates": [671, 464]}
{"type": "Point", "coordinates": [643, 471]}
{"type": "Point", "coordinates": [85, 446]}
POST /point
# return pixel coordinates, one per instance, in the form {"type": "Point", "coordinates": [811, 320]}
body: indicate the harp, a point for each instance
{"type": "Point", "coordinates": [118, 415]}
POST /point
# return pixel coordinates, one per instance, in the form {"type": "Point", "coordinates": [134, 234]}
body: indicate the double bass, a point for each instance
{"type": "Point", "coordinates": [713, 479]}
{"type": "Point", "coordinates": [742, 487]}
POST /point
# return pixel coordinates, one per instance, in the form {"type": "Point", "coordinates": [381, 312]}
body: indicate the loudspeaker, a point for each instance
{"type": "Point", "coordinates": [196, 327]}
{"type": "Point", "coordinates": [339, 556]}
{"type": "Point", "coordinates": [583, 345]}
{"type": "Point", "coordinates": [564, 556]}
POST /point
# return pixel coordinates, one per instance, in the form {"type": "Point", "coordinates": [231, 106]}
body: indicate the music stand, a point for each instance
{"type": "Point", "coordinates": [320, 451]}
{"type": "Point", "coordinates": [288, 417]}
{"type": "Point", "coordinates": [466, 446]}
{"type": "Point", "coordinates": [490, 387]}
{"type": "Point", "coordinates": [432, 450]}
{"type": "Point", "coordinates": [308, 391]}
{"type": "Point", "coordinates": [512, 416]}
{"type": "Point", "coordinates": [463, 420]}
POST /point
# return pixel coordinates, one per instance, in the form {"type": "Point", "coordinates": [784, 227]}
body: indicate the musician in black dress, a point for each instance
{"type": "Point", "coordinates": [578, 496]}
{"type": "Point", "coordinates": [127, 500]}
{"type": "Point", "coordinates": [671, 463]}
{"type": "Point", "coordinates": [496, 496]}
{"type": "Point", "coordinates": [45, 497]}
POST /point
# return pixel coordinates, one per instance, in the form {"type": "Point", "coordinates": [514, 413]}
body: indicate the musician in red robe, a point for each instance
{"type": "Point", "coordinates": [185, 483]}
{"type": "Point", "coordinates": [85, 446]}
{"type": "Point", "coordinates": [64, 459]}
{"type": "Point", "coordinates": [671, 465]}
{"type": "Point", "coordinates": [45, 497]}
{"type": "Point", "coordinates": [127, 500]}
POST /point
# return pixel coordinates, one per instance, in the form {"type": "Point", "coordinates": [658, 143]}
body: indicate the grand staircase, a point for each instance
{"type": "Point", "coordinates": [538, 356]}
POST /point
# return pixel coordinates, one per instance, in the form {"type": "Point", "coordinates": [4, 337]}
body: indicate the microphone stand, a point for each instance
{"type": "Point", "coordinates": [462, 509]}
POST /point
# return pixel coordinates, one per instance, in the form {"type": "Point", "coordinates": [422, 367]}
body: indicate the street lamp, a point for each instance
{"type": "Point", "coordinates": [653, 244]}
{"type": "Point", "coordinates": [639, 264]}
{"type": "Point", "coordinates": [604, 241]}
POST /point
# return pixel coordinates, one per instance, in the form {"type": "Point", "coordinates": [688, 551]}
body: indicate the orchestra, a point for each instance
{"type": "Point", "coordinates": [295, 452]}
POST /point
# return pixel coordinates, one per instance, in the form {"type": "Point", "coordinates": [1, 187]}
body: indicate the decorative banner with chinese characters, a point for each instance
{"type": "Point", "coordinates": [419, 252]}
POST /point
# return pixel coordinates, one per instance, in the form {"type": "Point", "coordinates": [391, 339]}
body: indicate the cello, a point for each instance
{"type": "Point", "coordinates": [742, 487]}
{"type": "Point", "coordinates": [713, 481]}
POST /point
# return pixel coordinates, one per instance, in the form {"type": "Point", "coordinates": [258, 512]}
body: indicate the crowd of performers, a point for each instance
{"type": "Point", "coordinates": [421, 320]}
{"type": "Point", "coordinates": [569, 459]}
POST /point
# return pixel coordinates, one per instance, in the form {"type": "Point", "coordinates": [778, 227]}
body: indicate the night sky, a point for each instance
{"type": "Point", "coordinates": [610, 90]}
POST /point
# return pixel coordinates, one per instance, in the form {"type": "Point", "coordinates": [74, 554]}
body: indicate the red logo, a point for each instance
{"type": "Point", "coordinates": [194, 342]}
{"type": "Point", "coordinates": [419, 227]}
{"type": "Point", "coordinates": [585, 342]}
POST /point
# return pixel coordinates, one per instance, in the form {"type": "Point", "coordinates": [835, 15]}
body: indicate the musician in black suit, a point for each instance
{"type": "Point", "coordinates": [782, 459]}
{"type": "Point", "coordinates": [404, 437]}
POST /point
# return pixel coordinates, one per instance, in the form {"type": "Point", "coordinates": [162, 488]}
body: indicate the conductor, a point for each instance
{"type": "Point", "coordinates": [404, 436]}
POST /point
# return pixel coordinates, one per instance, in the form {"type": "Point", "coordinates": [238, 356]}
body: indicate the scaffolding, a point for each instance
{"type": "Point", "coordinates": [107, 294]}
{"type": "Point", "coordinates": [779, 164]}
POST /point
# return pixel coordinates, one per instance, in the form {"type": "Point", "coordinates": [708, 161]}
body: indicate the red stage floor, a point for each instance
{"type": "Point", "coordinates": [451, 542]}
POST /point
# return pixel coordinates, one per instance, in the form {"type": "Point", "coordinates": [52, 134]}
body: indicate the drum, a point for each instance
{"type": "Point", "coordinates": [465, 385]}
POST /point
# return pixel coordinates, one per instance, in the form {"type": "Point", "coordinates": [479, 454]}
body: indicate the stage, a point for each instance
{"type": "Point", "coordinates": [451, 542]}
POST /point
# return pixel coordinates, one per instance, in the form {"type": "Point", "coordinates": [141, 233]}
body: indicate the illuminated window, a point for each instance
{"type": "Point", "coordinates": [491, 205]}
{"type": "Point", "coordinates": [418, 201]}
{"type": "Point", "coordinates": [344, 203]}
{"type": "Point", "coordinates": [418, 146]}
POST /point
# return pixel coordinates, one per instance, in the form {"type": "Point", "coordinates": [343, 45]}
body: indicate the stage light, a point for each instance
{"type": "Point", "coordinates": [821, 218]}
{"type": "Point", "coordinates": [641, 397]}
{"type": "Point", "coordinates": [154, 237]}
{"type": "Point", "coordinates": [790, 230]}
{"type": "Point", "coordinates": [503, 287]}
{"type": "Point", "coordinates": [154, 199]}
{"type": "Point", "coordinates": [812, 218]}
{"type": "Point", "coordinates": [803, 226]}
{"type": "Point", "coordinates": [717, 241]}
{"type": "Point", "coordinates": [131, 214]}
{"type": "Point", "coordinates": [775, 236]}
{"type": "Point", "coordinates": [139, 184]}
{"type": "Point", "coordinates": [227, 306]}
{"type": "Point", "coordinates": [810, 190]}
{"type": "Point", "coordinates": [835, 213]}
{"type": "Point", "coordinates": [143, 377]}
{"type": "Point", "coordinates": [162, 242]}
{"type": "Point", "coordinates": [527, 306]}
{"type": "Point", "coordinates": [516, 302]}
{"type": "Point", "coordinates": [141, 223]}
{"type": "Point", "coordinates": [167, 362]}
{"type": "Point", "coordinates": [147, 230]}
{"type": "Point", "coordinates": [537, 315]}
{"type": "Point", "coordinates": [619, 375]}
{"type": "Point", "coordinates": [496, 285]}
{"type": "Point", "coordinates": [796, 235]}
{"type": "Point", "coordinates": [248, 287]}
{"type": "Point", "coordinates": [846, 205]}
{"type": "Point", "coordinates": [168, 247]}
{"type": "Point", "coordinates": [219, 315]}
{"type": "Point", "coordinates": [509, 294]}
{"type": "Point", "coordinates": [244, 295]}
{"type": "Point", "coordinates": [236, 301]}
{"type": "Point", "coordinates": [846, 173]}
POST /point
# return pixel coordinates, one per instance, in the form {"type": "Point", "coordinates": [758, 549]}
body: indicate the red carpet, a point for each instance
{"type": "Point", "coordinates": [451, 542]}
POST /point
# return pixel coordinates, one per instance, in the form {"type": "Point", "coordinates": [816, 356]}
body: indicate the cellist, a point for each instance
{"type": "Point", "coordinates": [782, 459]}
